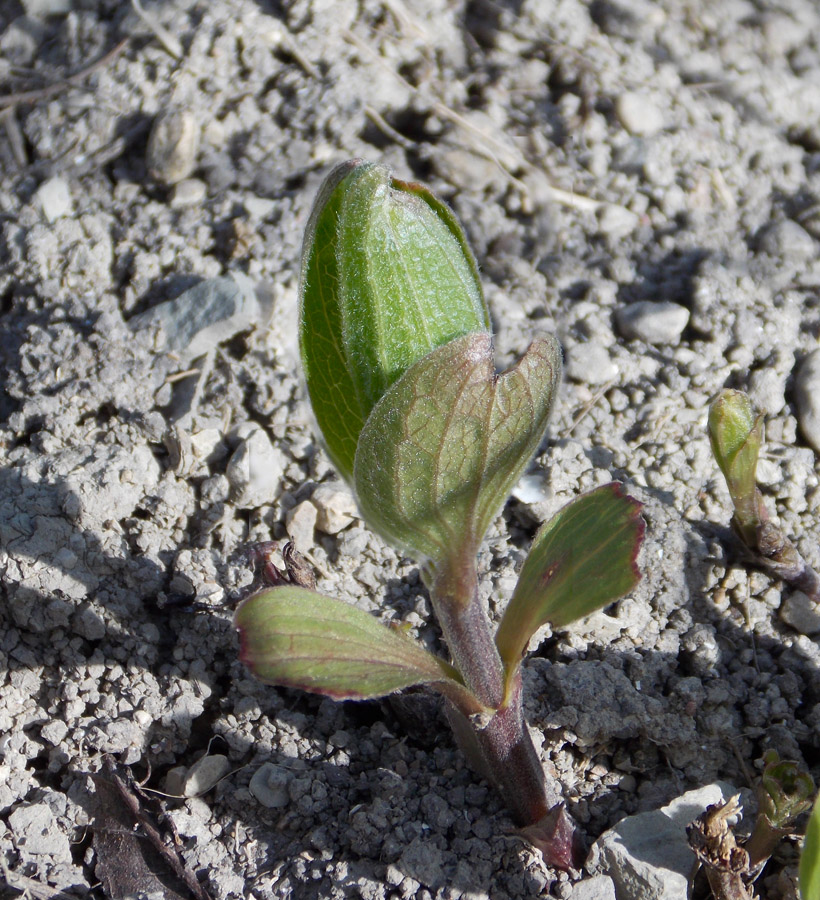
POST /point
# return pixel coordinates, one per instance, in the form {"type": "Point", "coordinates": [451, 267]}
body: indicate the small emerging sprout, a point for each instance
{"type": "Point", "coordinates": [398, 358]}
{"type": "Point", "coordinates": [736, 434]}
{"type": "Point", "coordinates": [785, 792]}
{"type": "Point", "coordinates": [731, 864]}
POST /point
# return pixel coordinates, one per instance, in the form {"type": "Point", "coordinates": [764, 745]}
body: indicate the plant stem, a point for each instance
{"type": "Point", "coordinates": [501, 750]}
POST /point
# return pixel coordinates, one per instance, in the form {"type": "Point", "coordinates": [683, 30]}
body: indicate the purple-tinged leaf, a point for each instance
{"type": "Point", "coordinates": [299, 638]}
{"type": "Point", "coordinates": [444, 445]}
{"type": "Point", "coordinates": [582, 559]}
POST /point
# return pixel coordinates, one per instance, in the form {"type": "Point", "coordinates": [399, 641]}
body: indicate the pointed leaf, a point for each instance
{"type": "Point", "coordinates": [444, 446]}
{"type": "Point", "coordinates": [735, 433]}
{"type": "Point", "coordinates": [387, 276]}
{"type": "Point", "coordinates": [582, 559]}
{"type": "Point", "coordinates": [299, 638]}
{"type": "Point", "coordinates": [810, 857]}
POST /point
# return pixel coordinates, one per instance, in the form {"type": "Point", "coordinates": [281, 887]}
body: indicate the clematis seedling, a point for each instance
{"type": "Point", "coordinates": [736, 434]}
{"type": "Point", "coordinates": [398, 358]}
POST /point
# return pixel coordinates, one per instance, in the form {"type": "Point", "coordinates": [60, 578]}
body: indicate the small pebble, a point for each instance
{"type": "Point", "coordinates": [655, 323]}
{"type": "Point", "coordinates": [54, 732]}
{"type": "Point", "coordinates": [616, 222]}
{"type": "Point", "coordinates": [799, 611]}
{"type": "Point", "coordinates": [335, 507]}
{"type": "Point", "coordinates": [590, 364]}
{"type": "Point", "coordinates": [210, 312]}
{"type": "Point", "coordinates": [788, 240]}
{"type": "Point", "coordinates": [208, 445]}
{"type": "Point", "coordinates": [766, 390]}
{"type": "Point", "coordinates": [255, 471]}
{"type": "Point", "coordinates": [189, 192]}
{"type": "Point", "coordinates": [175, 781]}
{"type": "Point", "coordinates": [639, 113]}
{"type": "Point", "coordinates": [300, 523]}
{"type": "Point", "coordinates": [807, 397]}
{"type": "Point", "coordinates": [173, 146]}
{"type": "Point", "coordinates": [204, 774]}
{"type": "Point", "coordinates": [54, 198]}
{"type": "Point", "coordinates": [768, 473]}
{"type": "Point", "coordinates": [270, 784]}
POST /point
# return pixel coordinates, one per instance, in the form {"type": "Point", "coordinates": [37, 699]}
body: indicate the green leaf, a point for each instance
{"type": "Point", "coordinates": [387, 276]}
{"type": "Point", "coordinates": [735, 433]}
{"type": "Point", "coordinates": [785, 790]}
{"type": "Point", "coordinates": [582, 559]}
{"type": "Point", "coordinates": [443, 447]}
{"type": "Point", "coordinates": [299, 638]}
{"type": "Point", "coordinates": [810, 857]}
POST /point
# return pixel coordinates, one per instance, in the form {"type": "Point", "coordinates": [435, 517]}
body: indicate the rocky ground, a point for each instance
{"type": "Point", "coordinates": [641, 179]}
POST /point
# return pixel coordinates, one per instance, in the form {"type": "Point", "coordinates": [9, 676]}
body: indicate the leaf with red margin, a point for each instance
{"type": "Point", "coordinates": [299, 638]}
{"type": "Point", "coordinates": [582, 559]}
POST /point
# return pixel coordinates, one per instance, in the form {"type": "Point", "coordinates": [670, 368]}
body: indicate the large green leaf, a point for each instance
{"type": "Point", "coordinates": [444, 446]}
{"type": "Point", "coordinates": [582, 559]}
{"type": "Point", "coordinates": [387, 276]}
{"type": "Point", "coordinates": [299, 638]}
{"type": "Point", "coordinates": [810, 857]}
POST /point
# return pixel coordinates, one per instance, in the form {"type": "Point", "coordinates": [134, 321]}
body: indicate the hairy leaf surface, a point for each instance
{"type": "Point", "coordinates": [443, 447]}
{"type": "Point", "coordinates": [387, 276]}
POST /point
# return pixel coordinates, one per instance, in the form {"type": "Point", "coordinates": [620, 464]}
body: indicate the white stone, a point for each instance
{"type": "Point", "coordinates": [599, 887]}
{"type": "Point", "coordinates": [335, 506]}
{"type": "Point", "coordinates": [590, 363]}
{"type": "Point", "coordinates": [207, 443]}
{"type": "Point", "coordinates": [802, 613]}
{"type": "Point", "coordinates": [655, 323]}
{"type": "Point", "coordinates": [787, 239]}
{"type": "Point", "coordinates": [255, 471]}
{"type": "Point", "coordinates": [531, 489]}
{"type": "Point", "coordinates": [204, 774]}
{"type": "Point", "coordinates": [300, 523]}
{"type": "Point", "coordinates": [616, 222]}
{"type": "Point", "coordinates": [807, 396]}
{"type": "Point", "coordinates": [639, 113]}
{"type": "Point", "coordinates": [269, 785]}
{"type": "Point", "coordinates": [648, 856]}
{"type": "Point", "coordinates": [189, 192]}
{"type": "Point", "coordinates": [768, 472]}
{"type": "Point", "coordinates": [54, 198]}
{"type": "Point", "coordinates": [766, 391]}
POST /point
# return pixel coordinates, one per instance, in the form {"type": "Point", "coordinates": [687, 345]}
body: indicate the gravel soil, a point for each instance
{"type": "Point", "coordinates": [641, 179]}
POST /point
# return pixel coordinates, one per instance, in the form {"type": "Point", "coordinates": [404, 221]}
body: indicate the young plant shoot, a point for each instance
{"type": "Point", "coordinates": [398, 357]}
{"type": "Point", "coordinates": [736, 434]}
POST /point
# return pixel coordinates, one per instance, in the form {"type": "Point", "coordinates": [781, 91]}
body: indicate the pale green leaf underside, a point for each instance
{"type": "Point", "coordinates": [581, 560]}
{"type": "Point", "coordinates": [444, 446]}
{"type": "Point", "coordinates": [810, 858]}
{"type": "Point", "coordinates": [386, 277]}
{"type": "Point", "coordinates": [299, 638]}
